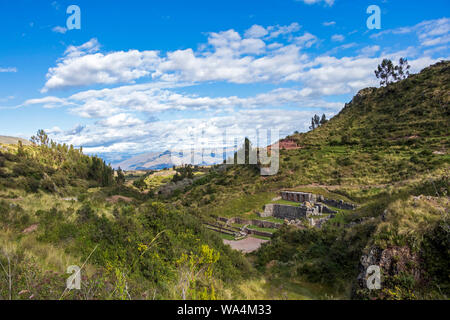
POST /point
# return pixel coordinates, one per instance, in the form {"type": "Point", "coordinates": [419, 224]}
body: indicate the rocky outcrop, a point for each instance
{"type": "Point", "coordinates": [392, 261]}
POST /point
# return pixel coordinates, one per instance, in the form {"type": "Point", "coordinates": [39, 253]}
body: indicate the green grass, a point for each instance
{"type": "Point", "coordinates": [225, 236]}
{"type": "Point", "coordinates": [288, 203]}
{"type": "Point", "coordinates": [272, 219]}
{"type": "Point", "coordinates": [271, 230]}
{"type": "Point", "coordinates": [242, 206]}
{"type": "Point", "coordinates": [260, 237]}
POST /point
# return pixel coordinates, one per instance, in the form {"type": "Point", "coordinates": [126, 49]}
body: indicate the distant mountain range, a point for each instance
{"type": "Point", "coordinates": [167, 159]}
{"type": "Point", "coordinates": [13, 140]}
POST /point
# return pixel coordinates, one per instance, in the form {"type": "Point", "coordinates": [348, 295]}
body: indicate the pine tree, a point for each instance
{"type": "Point", "coordinates": [402, 69]}
{"type": "Point", "coordinates": [386, 72]}
{"type": "Point", "coordinates": [316, 120]}
{"type": "Point", "coordinates": [120, 179]}
{"type": "Point", "coordinates": [40, 139]}
{"type": "Point", "coordinates": [313, 125]}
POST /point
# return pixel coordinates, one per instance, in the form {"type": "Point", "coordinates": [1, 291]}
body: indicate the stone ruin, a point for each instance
{"type": "Point", "coordinates": [313, 198]}
{"type": "Point", "coordinates": [299, 196]}
{"type": "Point", "coordinates": [282, 211]}
{"type": "Point", "coordinates": [310, 205]}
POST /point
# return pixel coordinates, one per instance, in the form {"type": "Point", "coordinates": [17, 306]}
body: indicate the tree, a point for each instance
{"type": "Point", "coordinates": [120, 179]}
{"type": "Point", "coordinates": [402, 69]}
{"type": "Point", "coordinates": [41, 138]}
{"type": "Point", "coordinates": [315, 122]}
{"type": "Point", "coordinates": [323, 120]}
{"type": "Point", "coordinates": [386, 72]}
{"type": "Point", "coordinates": [20, 149]}
{"type": "Point", "coordinates": [313, 125]}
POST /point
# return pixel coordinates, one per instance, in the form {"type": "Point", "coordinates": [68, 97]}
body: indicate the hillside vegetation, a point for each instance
{"type": "Point", "coordinates": [386, 151]}
{"type": "Point", "coordinates": [387, 146]}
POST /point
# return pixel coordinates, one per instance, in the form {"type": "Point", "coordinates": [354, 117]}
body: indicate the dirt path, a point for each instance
{"type": "Point", "coordinates": [115, 199]}
{"type": "Point", "coordinates": [246, 245]}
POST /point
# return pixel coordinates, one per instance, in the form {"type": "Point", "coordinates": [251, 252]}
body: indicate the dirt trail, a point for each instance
{"type": "Point", "coordinates": [246, 245]}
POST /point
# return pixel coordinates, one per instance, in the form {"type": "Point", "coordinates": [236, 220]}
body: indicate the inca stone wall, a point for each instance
{"type": "Point", "coordinates": [285, 212]}
{"type": "Point", "coordinates": [257, 223]}
{"type": "Point", "coordinates": [339, 204]}
{"type": "Point", "coordinates": [313, 198]}
{"type": "Point", "coordinates": [298, 196]}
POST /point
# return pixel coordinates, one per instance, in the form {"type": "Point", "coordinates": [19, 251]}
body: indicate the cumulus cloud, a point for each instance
{"type": "Point", "coordinates": [83, 65]}
{"type": "Point", "coordinates": [430, 32]}
{"type": "Point", "coordinates": [306, 40]}
{"type": "Point", "coordinates": [225, 57]}
{"type": "Point", "coordinates": [256, 31]}
{"type": "Point", "coordinates": [276, 31]}
{"type": "Point", "coordinates": [152, 99]}
{"type": "Point", "coordinates": [106, 137]}
{"type": "Point", "coordinates": [300, 82]}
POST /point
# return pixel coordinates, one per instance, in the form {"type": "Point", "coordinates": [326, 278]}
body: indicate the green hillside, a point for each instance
{"type": "Point", "coordinates": [13, 140]}
{"type": "Point", "coordinates": [386, 151]}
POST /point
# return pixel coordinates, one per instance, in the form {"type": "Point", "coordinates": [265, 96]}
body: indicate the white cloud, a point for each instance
{"type": "Point", "coordinates": [59, 29]}
{"type": "Point", "coordinates": [276, 31]}
{"type": "Point", "coordinates": [173, 134]}
{"type": "Point", "coordinates": [273, 54]}
{"type": "Point", "coordinates": [151, 99]}
{"type": "Point", "coordinates": [10, 69]}
{"type": "Point", "coordinates": [329, 23]}
{"type": "Point", "coordinates": [338, 38]}
{"type": "Point", "coordinates": [48, 102]}
{"type": "Point", "coordinates": [370, 50]}
{"type": "Point", "coordinates": [429, 33]}
{"type": "Point", "coordinates": [226, 57]}
{"type": "Point", "coordinates": [120, 120]}
{"type": "Point", "coordinates": [306, 40]}
{"type": "Point", "coordinates": [80, 68]}
{"type": "Point", "coordinates": [256, 31]}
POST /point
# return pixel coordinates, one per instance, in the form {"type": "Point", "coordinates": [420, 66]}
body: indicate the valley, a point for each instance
{"type": "Point", "coordinates": [370, 186]}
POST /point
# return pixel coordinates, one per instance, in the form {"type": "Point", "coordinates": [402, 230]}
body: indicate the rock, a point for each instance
{"type": "Point", "coordinates": [392, 261]}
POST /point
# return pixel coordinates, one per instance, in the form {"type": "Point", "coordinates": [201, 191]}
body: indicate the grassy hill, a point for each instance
{"type": "Point", "coordinates": [386, 151]}
{"type": "Point", "coordinates": [13, 140]}
{"type": "Point", "coordinates": [59, 207]}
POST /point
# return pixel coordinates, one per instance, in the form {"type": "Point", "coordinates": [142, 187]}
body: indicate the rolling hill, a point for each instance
{"type": "Point", "coordinates": [386, 152]}
{"type": "Point", "coordinates": [13, 140]}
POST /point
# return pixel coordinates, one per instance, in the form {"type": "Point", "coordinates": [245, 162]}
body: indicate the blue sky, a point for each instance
{"type": "Point", "coordinates": [142, 75]}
